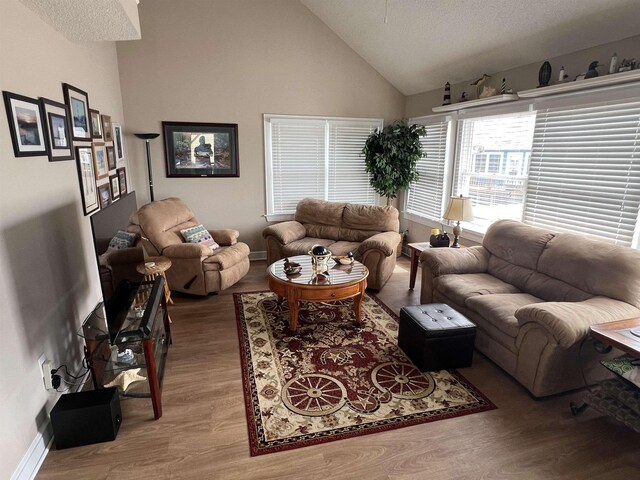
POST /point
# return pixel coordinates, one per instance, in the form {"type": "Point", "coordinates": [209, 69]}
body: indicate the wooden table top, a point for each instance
{"type": "Point", "coordinates": [162, 264]}
{"type": "Point", "coordinates": [619, 335]}
{"type": "Point", "coordinates": [338, 274]}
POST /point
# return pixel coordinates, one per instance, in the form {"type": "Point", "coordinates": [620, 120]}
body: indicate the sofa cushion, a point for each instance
{"type": "Point", "coordinates": [460, 287]}
{"type": "Point", "coordinates": [508, 272]}
{"type": "Point", "coordinates": [319, 212]}
{"type": "Point", "coordinates": [553, 290]}
{"type": "Point", "coordinates": [303, 246]}
{"type": "Point", "coordinates": [516, 243]}
{"type": "Point", "coordinates": [323, 231]}
{"type": "Point", "coordinates": [370, 218]}
{"type": "Point", "coordinates": [596, 267]}
{"type": "Point", "coordinates": [342, 248]}
{"type": "Point", "coordinates": [199, 234]}
{"type": "Point", "coordinates": [499, 309]}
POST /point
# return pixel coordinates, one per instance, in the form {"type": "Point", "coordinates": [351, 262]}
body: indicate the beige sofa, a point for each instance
{"type": "Point", "coordinates": [369, 232]}
{"type": "Point", "coordinates": [195, 268]}
{"type": "Point", "coordinates": [533, 295]}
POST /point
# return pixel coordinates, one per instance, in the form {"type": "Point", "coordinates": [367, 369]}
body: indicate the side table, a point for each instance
{"type": "Point", "coordinates": [415, 249]}
{"type": "Point", "coordinates": [154, 267]}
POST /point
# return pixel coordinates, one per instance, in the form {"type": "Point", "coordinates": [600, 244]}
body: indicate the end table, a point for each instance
{"type": "Point", "coordinates": [154, 267]}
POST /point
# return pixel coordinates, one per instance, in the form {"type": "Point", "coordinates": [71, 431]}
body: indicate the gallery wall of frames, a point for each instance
{"type": "Point", "coordinates": [75, 132]}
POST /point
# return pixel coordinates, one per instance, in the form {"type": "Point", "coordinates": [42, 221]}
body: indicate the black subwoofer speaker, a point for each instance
{"type": "Point", "coordinates": [87, 417]}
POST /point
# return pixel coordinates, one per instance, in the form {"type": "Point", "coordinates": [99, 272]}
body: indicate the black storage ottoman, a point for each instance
{"type": "Point", "coordinates": [436, 337]}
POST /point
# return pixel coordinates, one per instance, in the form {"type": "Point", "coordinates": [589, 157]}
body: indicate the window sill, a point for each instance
{"type": "Point", "coordinates": [278, 217]}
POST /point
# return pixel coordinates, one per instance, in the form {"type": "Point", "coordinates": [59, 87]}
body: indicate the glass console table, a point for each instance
{"type": "Point", "coordinates": [131, 352]}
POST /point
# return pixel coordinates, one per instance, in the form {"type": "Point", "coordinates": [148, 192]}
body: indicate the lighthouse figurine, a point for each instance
{"type": "Point", "coordinates": [447, 94]}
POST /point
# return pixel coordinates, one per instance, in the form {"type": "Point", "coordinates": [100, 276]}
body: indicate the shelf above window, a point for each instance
{"type": "Point", "coordinates": [508, 97]}
{"type": "Point", "coordinates": [596, 82]}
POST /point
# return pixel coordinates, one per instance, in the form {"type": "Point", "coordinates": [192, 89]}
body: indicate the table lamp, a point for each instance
{"type": "Point", "coordinates": [459, 209]}
{"type": "Point", "coordinates": [147, 137]}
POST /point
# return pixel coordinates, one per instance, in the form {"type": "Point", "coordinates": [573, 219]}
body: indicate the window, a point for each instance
{"type": "Point", "coordinates": [485, 147]}
{"type": "Point", "coordinates": [426, 194]}
{"type": "Point", "coordinates": [316, 157]}
{"type": "Point", "coordinates": [585, 170]}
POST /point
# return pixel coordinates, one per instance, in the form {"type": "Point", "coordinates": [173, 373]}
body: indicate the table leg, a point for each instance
{"type": "Point", "coordinates": [415, 257]}
{"type": "Point", "coordinates": [357, 303]}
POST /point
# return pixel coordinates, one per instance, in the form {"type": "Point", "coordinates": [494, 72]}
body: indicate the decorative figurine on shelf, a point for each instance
{"type": "Point", "coordinates": [562, 76]}
{"type": "Point", "coordinates": [613, 66]}
{"type": "Point", "coordinates": [463, 97]}
{"type": "Point", "coordinates": [503, 86]}
{"type": "Point", "coordinates": [591, 71]}
{"type": "Point", "coordinates": [488, 92]}
{"type": "Point", "coordinates": [627, 65]}
{"type": "Point", "coordinates": [479, 83]}
{"type": "Point", "coordinates": [544, 75]}
{"type": "Point", "coordinates": [447, 94]}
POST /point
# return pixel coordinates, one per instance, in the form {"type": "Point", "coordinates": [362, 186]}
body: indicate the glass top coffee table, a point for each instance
{"type": "Point", "coordinates": [340, 282]}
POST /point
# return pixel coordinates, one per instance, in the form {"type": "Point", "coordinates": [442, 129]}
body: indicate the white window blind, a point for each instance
{"type": "Point", "coordinates": [585, 170]}
{"type": "Point", "coordinates": [316, 157]}
{"type": "Point", "coordinates": [347, 181]}
{"type": "Point", "coordinates": [426, 194]}
{"type": "Point", "coordinates": [492, 156]}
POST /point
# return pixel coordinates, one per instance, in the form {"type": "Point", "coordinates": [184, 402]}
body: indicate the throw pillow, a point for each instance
{"type": "Point", "coordinates": [199, 234]}
{"type": "Point", "coordinates": [122, 240]}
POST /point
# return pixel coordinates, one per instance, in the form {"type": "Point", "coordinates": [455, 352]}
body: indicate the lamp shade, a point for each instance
{"type": "Point", "coordinates": [459, 209]}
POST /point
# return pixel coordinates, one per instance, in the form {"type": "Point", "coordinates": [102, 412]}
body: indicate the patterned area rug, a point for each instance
{"type": "Point", "coordinates": [333, 379]}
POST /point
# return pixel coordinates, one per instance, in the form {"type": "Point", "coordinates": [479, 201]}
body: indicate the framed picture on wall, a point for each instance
{"type": "Point", "coordinates": [28, 135]}
{"type": "Point", "coordinates": [78, 103]}
{"type": "Point", "coordinates": [96, 124]}
{"type": "Point", "coordinates": [104, 193]}
{"type": "Point", "coordinates": [100, 160]}
{"type": "Point", "coordinates": [122, 180]}
{"type": "Point", "coordinates": [106, 128]}
{"type": "Point", "coordinates": [115, 187]}
{"type": "Point", "coordinates": [118, 141]}
{"type": "Point", "coordinates": [87, 178]}
{"type": "Point", "coordinates": [57, 124]}
{"type": "Point", "coordinates": [111, 158]}
{"type": "Point", "coordinates": [201, 149]}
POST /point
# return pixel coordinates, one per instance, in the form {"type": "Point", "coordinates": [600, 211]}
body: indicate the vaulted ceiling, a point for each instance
{"type": "Point", "coordinates": [424, 43]}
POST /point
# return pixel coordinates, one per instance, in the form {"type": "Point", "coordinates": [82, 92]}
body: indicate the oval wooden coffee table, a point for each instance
{"type": "Point", "coordinates": [342, 282]}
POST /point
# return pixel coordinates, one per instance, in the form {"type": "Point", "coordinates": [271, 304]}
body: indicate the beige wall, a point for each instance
{"type": "Point", "coordinates": [48, 273]}
{"type": "Point", "coordinates": [521, 78]}
{"type": "Point", "coordinates": [230, 62]}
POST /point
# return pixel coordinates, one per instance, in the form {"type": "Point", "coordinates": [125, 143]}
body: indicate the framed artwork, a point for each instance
{"type": "Point", "coordinates": [201, 149]}
{"type": "Point", "coordinates": [111, 158]}
{"type": "Point", "coordinates": [100, 160]}
{"type": "Point", "coordinates": [118, 141]}
{"type": "Point", "coordinates": [115, 187]}
{"type": "Point", "coordinates": [96, 125]}
{"type": "Point", "coordinates": [57, 125]}
{"type": "Point", "coordinates": [28, 134]}
{"type": "Point", "coordinates": [104, 193]}
{"type": "Point", "coordinates": [106, 128]}
{"type": "Point", "coordinates": [78, 103]}
{"type": "Point", "coordinates": [122, 180]}
{"type": "Point", "coordinates": [87, 178]}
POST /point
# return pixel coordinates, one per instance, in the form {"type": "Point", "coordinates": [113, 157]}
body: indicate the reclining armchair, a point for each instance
{"type": "Point", "coordinates": [195, 268]}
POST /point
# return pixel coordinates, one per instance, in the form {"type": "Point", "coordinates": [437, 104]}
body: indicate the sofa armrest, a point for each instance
{"type": "Point", "coordinates": [444, 261]}
{"type": "Point", "coordinates": [386, 242]}
{"type": "Point", "coordinates": [225, 237]}
{"type": "Point", "coordinates": [285, 232]}
{"type": "Point", "coordinates": [186, 250]}
{"type": "Point", "coordinates": [569, 322]}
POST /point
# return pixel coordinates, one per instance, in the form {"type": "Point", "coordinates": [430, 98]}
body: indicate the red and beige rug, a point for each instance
{"type": "Point", "coordinates": [333, 379]}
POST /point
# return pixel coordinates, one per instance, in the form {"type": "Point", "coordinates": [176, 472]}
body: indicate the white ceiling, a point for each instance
{"type": "Point", "coordinates": [426, 43]}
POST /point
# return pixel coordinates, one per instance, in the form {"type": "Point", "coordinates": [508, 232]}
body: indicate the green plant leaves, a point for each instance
{"type": "Point", "coordinates": [391, 155]}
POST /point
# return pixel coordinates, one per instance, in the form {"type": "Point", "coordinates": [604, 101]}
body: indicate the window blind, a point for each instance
{"type": "Point", "coordinates": [316, 157]}
{"type": "Point", "coordinates": [426, 194]}
{"type": "Point", "coordinates": [347, 180]}
{"type": "Point", "coordinates": [585, 170]}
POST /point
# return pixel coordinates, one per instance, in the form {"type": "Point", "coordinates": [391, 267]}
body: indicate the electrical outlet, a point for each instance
{"type": "Point", "coordinates": [47, 366]}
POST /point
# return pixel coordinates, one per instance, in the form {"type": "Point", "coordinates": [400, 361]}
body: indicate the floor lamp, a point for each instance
{"type": "Point", "coordinates": [147, 137]}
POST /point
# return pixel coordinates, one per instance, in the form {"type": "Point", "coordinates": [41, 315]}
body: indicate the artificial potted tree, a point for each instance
{"type": "Point", "coordinates": [391, 156]}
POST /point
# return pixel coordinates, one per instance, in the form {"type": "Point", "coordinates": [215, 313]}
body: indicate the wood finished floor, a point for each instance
{"type": "Point", "coordinates": [203, 432]}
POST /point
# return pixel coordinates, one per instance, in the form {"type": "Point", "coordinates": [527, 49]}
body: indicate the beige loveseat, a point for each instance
{"type": "Point", "coordinates": [195, 268]}
{"type": "Point", "coordinates": [533, 295]}
{"type": "Point", "coordinates": [369, 232]}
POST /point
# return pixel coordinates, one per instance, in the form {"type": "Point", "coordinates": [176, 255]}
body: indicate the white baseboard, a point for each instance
{"type": "Point", "coordinates": [32, 460]}
{"type": "Point", "coordinates": [261, 255]}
